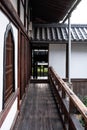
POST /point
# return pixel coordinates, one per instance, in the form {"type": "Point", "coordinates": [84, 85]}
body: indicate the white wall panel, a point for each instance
{"type": "Point", "coordinates": [15, 32]}
{"type": "Point", "coordinates": [79, 61]}
{"type": "Point", "coordinates": [3, 23]}
{"type": "Point", "coordinates": [21, 13]}
{"type": "Point", "coordinates": [10, 117]}
{"type": "Point", "coordinates": [57, 58]}
{"type": "Point", "coordinates": [14, 3]}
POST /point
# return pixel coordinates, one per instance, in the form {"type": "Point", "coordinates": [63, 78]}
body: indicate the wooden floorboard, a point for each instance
{"type": "Point", "coordinates": [38, 111]}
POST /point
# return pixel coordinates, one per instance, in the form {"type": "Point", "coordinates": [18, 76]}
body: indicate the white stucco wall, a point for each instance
{"type": "Point", "coordinates": [15, 32]}
{"type": "Point", "coordinates": [57, 58]}
{"type": "Point", "coordinates": [14, 3]}
{"type": "Point", "coordinates": [21, 13]}
{"type": "Point", "coordinates": [79, 60]}
{"type": "Point", "coordinates": [10, 117]}
{"type": "Point", "coordinates": [4, 21]}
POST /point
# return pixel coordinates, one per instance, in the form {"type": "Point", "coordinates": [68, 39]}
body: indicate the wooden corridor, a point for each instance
{"type": "Point", "coordinates": [39, 111]}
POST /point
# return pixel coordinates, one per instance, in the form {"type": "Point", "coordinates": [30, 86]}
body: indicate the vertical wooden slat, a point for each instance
{"type": "Point", "coordinates": [63, 93]}
{"type": "Point", "coordinates": [18, 7]}
{"type": "Point", "coordinates": [66, 60]}
{"type": "Point", "coordinates": [86, 125]}
{"type": "Point", "coordinates": [19, 65]}
{"type": "Point", "coordinates": [22, 66]}
{"type": "Point", "coordinates": [9, 65]}
{"type": "Point", "coordinates": [25, 13]}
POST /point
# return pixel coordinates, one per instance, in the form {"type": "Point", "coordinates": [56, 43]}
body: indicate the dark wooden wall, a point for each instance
{"type": "Point", "coordinates": [80, 87]}
{"type": "Point", "coordinates": [24, 63]}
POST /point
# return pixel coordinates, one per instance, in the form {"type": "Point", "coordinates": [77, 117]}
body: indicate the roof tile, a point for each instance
{"type": "Point", "coordinates": [58, 32]}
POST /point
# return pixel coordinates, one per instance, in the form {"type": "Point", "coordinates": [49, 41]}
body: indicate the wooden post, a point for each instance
{"type": "Point", "coordinates": [85, 125]}
{"type": "Point", "coordinates": [19, 69]}
{"type": "Point", "coordinates": [69, 50]}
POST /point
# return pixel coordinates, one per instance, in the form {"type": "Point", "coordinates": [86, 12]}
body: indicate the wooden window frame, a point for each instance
{"type": "Point", "coordinates": [8, 29]}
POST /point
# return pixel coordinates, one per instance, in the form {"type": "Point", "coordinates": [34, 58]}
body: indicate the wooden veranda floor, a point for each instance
{"type": "Point", "coordinates": [39, 111]}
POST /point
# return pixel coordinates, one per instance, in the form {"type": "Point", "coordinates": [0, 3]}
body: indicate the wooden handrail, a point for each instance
{"type": "Point", "coordinates": [73, 101]}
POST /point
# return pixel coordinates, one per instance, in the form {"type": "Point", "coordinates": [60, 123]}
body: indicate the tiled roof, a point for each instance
{"type": "Point", "coordinates": [58, 33]}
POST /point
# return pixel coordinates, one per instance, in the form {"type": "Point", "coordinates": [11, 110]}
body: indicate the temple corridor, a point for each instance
{"type": "Point", "coordinates": [39, 110]}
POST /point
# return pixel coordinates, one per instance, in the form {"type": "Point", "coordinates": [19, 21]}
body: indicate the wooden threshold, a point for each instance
{"type": "Point", "coordinates": [39, 81]}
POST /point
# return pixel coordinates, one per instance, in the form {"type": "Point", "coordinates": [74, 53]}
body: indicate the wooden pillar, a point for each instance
{"type": "Point", "coordinates": [18, 7]}
{"type": "Point", "coordinates": [66, 60]}
{"type": "Point", "coordinates": [25, 13]}
{"type": "Point", "coordinates": [69, 50]}
{"type": "Point", "coordinates": [19, 59]}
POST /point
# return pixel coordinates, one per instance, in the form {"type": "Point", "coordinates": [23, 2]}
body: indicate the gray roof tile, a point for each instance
{"type": "Point", "coordinates": [58, 32]}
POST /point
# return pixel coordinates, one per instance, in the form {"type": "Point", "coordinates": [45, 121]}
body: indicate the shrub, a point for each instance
{"type": "Point", "coordinates": [84, 100]}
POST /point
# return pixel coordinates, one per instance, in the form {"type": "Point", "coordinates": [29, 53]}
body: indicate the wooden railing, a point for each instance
{"type": "Point", "coordinates": [71, 109]}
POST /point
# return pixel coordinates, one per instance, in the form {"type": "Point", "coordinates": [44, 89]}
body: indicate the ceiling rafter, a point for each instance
{"type": "Point", "coordinates": [51, 10]}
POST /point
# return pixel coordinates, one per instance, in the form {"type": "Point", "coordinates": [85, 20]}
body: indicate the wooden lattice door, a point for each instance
{"type": "Point", "coordinates": [9, 67]}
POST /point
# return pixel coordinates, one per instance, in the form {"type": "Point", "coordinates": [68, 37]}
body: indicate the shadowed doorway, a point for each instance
{"type": "Point", "coordinates": [40, 62]}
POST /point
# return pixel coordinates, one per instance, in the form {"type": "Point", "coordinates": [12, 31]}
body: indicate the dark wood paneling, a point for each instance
{"type": "Point", "coordinates": [80, 87]}
{"type": "Point", "coordinates": [9, 72]}
{"type": "Point", "coordinates": [19, 66]}
{"type": "Point", "coordinates": [25, 61]}
{"type": "Point", "coordinates": [22, 66]}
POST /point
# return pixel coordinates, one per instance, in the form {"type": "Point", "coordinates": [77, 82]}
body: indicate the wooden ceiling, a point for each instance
{"type": "Point", "coordinates": [48, 11]}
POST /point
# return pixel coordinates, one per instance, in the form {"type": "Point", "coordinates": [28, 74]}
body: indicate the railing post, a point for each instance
{"type": "Point", "coordinates": [63, 93]}
{"type": "Point", "coordinates": [85, 125]}
{"type": "Point", "coordinates": [71, 111]}
{"type": "Point", "coordinates": [68, 103]}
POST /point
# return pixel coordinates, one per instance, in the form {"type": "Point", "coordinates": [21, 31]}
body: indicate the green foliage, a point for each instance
{"type": "Point", "coordinates": [82, 121]}
{"type": "Point", "coordinates": [84, 100]}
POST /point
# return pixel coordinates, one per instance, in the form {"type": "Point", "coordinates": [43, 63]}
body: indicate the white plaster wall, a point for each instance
{"type": "Point", "coordinates": [14, 3]}
{"type": "Point", "coordinates": [4, 21]}
{"type": "Point", "coordinates": [15, 32]}
{"type": "Point", "coordinates": [79, 60]}
{"type": "Point", "coordinates": [57, 58]}
{"type": "Point", "coordinates": [21, 13]}
{"type": "Point", "coordinates": [10, 117]}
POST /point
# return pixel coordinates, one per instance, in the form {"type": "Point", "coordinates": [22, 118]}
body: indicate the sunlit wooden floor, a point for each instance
{"type": "Point", "coordinates": [39, 111]}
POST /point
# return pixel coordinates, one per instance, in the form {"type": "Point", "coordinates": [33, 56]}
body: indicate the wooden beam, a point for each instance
{"type": "Point", "coordinates": [25, 14]}
{"type": "Point", "coordinates": [18, 7]}
{"type": "Point", "coordinates": [19, 59]}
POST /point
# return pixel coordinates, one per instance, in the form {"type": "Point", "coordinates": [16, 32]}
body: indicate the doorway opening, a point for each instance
{"type": "Point", "coordinates": [40, 63]}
